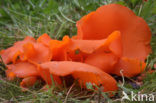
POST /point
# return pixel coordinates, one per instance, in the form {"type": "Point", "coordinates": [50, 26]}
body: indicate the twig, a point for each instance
{"type": "Point", "coordinates": [1, 81]}
{"type": "Point", "coordinates": [65, 101]}
{"type": "Point", "coordinates": [13, 96]}
{"type": "Point", "coordinates": [66, 17]}
{"type": "Point", "coordinates": [131, 79]}
{"type": "Point", "coordinates": [2, 99]}
{"type": "Point", "coordinates": [140, 10]}
{"type": "Point", "coordinates": [99, 96]}
{"type": "Point", "coordinates": [3, 68]}
{"type": "Point", "coordinates": [60, 29]}
{"type": "Point", "coordinates": [123, 79]}
{"type": "Point", "coordinates": [2, 61]}
{"type": "Point", "coordinates": [82, 97]}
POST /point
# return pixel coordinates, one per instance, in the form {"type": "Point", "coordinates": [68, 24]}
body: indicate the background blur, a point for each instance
{"type": "Point", "coordinates": [19, 18]}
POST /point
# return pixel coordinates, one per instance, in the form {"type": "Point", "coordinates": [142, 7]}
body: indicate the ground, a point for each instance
{"type": "Point", "coordinates": [19, 18]}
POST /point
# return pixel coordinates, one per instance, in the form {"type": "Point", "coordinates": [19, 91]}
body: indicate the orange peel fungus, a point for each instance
{"type": "Point", "coordinates": [108, 40]}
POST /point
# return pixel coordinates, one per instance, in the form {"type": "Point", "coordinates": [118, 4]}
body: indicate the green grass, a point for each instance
{"type": "Point", "coordinates": [19, 18]}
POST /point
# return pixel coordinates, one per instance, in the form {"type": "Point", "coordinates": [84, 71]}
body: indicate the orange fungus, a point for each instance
{"type": "Point", "coordinates": [110, 40]}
